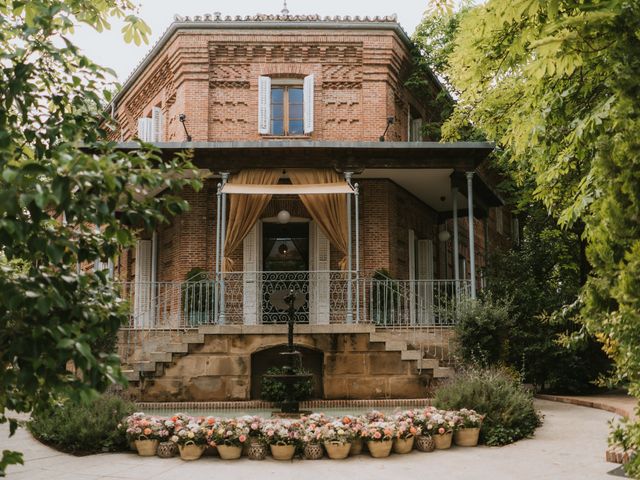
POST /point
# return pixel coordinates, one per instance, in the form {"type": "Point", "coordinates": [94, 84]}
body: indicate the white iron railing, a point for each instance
{"type": "Point", "coordinates": [385, 303]}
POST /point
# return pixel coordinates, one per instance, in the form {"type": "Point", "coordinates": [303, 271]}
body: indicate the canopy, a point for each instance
{"type": "Point", "coordinates": [308, 189]}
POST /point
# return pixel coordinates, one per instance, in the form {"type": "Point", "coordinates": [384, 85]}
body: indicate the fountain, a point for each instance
{"type": "Point", "coordinates": [289, 301]}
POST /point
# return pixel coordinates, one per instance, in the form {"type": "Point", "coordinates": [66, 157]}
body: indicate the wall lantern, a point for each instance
{"type": "Point", "coordinates": [283, 217]}
{"type": "Point", "coordinates": [444, 236]}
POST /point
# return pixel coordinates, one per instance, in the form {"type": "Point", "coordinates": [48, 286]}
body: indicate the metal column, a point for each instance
{"type": "Point", "coordinates": [472, 247]}
{"type": "Point", "coordinates": [216, 305]}
{"type": "Point", "coordinates": [223, 236]}
{"type": "Point", "coordinates": [356, 193]}
{"type": "Point", "coordinates": [456, 239]}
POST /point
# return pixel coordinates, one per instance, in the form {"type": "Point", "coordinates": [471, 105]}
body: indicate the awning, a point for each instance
{"type": "Point", "coordinates": [310, 189]}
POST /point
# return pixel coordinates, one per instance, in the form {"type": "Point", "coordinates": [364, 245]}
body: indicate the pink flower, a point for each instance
{"type": "Point", "coordinates": [242, 438]}
{"type": "Point", "coordinates": [441, 431]}
{"type": "Point", "coordinates": [377, 435]}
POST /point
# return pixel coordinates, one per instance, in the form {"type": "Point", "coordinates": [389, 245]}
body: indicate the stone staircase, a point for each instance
{"type": "Point", "coordinates": [155, 362]}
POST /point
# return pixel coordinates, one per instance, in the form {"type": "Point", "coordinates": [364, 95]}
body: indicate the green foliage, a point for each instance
{"type": "Point", "coordinates": [496, 393]}
{"type": "Point", "coordinates": [66, 198]}
{"type": "Point", "coordinates": [275, 391]}
{"type": "Point", "coordinates": [81, 428]}
{"type": "Point", "coordinates": [555, 84]}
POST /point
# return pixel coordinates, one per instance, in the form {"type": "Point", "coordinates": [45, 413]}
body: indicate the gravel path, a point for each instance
{"type": "Point", "coordinates": [570, 445]}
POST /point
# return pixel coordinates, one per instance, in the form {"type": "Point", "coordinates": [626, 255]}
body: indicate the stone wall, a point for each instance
{"type": "Point", "coordinates": [220, 368]}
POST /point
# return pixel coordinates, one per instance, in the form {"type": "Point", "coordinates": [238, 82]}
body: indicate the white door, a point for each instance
{"type": "Point", "coordinates": [425, 281]}
{"type": "Point", "coordinates": [319, 276]}
{"type": "Point", "coordinates": [142, 302]}
{"type": "Point", "coordinates": [252, 256]}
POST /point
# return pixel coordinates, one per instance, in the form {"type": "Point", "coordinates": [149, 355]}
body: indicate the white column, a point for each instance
{"type": "Point", "coordinates": [216, 307]}
{"type": "Point", "coordinates": [456, 238]}
{"type": "Point", "coordinates": [356, 194]}
{"type": "Point", "coordinates": [347, 176]}
{"type": "Point", "coordinates": [472, 247]}
{"type": "Point", "coordinates": [223, 236]}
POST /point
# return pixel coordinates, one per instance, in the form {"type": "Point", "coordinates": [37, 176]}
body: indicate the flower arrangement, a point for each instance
{"type": "Point", "coordinates": [192, 433]}
{"type": "Point", "coordinates": [440, 423]}
{"type": "Point", "coordinates": [378, 431]}
{"type": "Point", "coordinates": [282, 432]}
{"type": "Point", "coordinates": [254, 423]}
{"type": "Point", "coordinates": [336, 432]}
{"type": "Point", "coordinates": [466, 418]}
{"type": "Point", "coordinates": [229, 432]}
{"type": "Point", "coordinates": [143, 427]}
{"type": "Point", "coordinates": [312, 427]}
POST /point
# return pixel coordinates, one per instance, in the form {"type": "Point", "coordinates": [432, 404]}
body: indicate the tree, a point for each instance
{"type": "Point", "coordinates": [67, 197]}
{"type": "Point", "coordinates": [555, 84]}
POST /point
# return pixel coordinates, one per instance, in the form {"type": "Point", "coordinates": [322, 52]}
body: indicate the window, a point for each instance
{"type": "Point", "coordinates": [150, 128]}
{"type": "Point", "coordinates": [415, 130]}
{"type": "Point", "coordinates": [287, 110]}
{"type": "Point", "coordinates": [285, 106]}
{"type": "Point", "coordinates": [499, 221]}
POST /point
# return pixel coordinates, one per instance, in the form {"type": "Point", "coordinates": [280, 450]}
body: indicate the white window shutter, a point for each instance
{"type": "Point", "coordinates": [145, 128]}
{"type": "Point", "coordinates": [264, 105]}
{"type": "Point", "coordinates": [416, 130]}
{"type": "Point", "coordinates": [320, 276]}
{"type": "Point", "coordinates": [499, 221]}
{"type": "Point", "coordinates": [142, 304]}
{"type": "Point", "coordinates": [308, 95]}
{"type": "Point", "coordinates": [156, 124]}
{"type": "Point", "coordinates": [251, 277]}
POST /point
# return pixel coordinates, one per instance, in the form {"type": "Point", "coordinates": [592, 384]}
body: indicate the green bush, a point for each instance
{"type": "Point", "coordinates": [497, 394]}
{"type": "Point", "coordinates": [275, 391]}
{"type": "Point", "coordinates": [83, 428]}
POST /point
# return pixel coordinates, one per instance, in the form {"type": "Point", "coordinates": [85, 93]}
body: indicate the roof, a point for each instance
{"type": "Point", "coordinates": [264, 22]}
{"type": "Point", "coordinates": [233, 156]}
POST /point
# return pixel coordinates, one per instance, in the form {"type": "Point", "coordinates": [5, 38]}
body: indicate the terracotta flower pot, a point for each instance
{"type": "Point", "coordinates": [356, 446]}
{"type": "Point", "coordinates": [147, 448]}
{"type": "Point", "coordinates": [425, 443]}
{"type": "Point", "coordinates": [443, 441]}
{"type": "Point", "coordinates": [229, 452]}
{"type": "Point", "coordinates": [191, 451]}
{"type": "Point", "coordinates": [313, 451]}
{"type": "Point", "coordinates": [257, 450]}
{"type": "Point", "coordinates": [467, 437]}
{"type": "Point", "coordinates": [282, 452]}
{"type": "Point", "coordinates": [403, 445]}
{"type": "Point", "coordinates": [337, 450]}
{"type": "Point", "coordinates": [380, 449]}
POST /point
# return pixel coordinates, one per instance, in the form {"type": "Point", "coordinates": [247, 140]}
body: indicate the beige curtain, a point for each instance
{"type": "Point", "coordinates": [330, 210]}
{"type": "Point", "coordinates": [245, 210]}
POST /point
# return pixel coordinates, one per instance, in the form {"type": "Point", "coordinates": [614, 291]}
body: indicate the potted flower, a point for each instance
{"type": "Point", "coordinates": [405, 432]}
{"type": "Point", "coordinates": [379, 438]}
{"type": "Point", "coordinates": [336, 437]}
{"type": "Point", "coordinates": [312, 436]}
{"type": "Point", "coordinates": [191, 439]}
{"type": "Point", "coordinates": [145, 432]}
{"type": "Point", "coordinates": [229, 436]}
{"type": "Point", "coordinates": [424, 440]}
{"type": "Point", "coordinates": [254, 447]}
{"type": "Point", "coordinates": [282, 437]}
{"type": "Point", "coordinates": [440, 427]}
{"type": "Point", "coordinates": [357, 425]}
{"type": "Point", "coordinates": [467, 432]}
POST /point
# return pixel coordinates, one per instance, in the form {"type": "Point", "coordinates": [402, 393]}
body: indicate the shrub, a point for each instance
{"type": "Point", "coordinates": [496, 393]}
{"type": "Point", "coordinates": [275, 391]}
{"type": "Point", "coordinates": [84, 428]}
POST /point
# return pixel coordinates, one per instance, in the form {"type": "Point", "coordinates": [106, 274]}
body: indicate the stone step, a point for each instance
{"type": "Point", "coordinates": [131, 375]}
{"type": "Point", "coordinates": [193, 338]}
{"type": "Point", "coordinates": [166, 357]}
{"type": "Point", "coordinates": [410, 355]}
{"type": "Point", "coordinates": [443, 372]}
{"type": "Point", "coordinates": [378, 337]}
{"type": "Point", "coordinates": [428, 363]}
{"type": "Point", "coordinates": [395, 346]}
{"type": "Point", "coordinates": [177, 348]}
{"type": "Point", "coordinates": [144, 366]}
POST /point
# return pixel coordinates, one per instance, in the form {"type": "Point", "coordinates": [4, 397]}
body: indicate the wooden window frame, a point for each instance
{"type": "Point", "coordinates": [286, 85]}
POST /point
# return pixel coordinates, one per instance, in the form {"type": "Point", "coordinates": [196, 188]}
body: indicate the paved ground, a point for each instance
{"type": "Point", "coordinates": [618, 403]}
{"type": "Point", "coordinates": [570, 445]}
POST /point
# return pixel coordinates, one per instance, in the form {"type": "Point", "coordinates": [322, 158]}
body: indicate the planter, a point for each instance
{"type": "Point", "coordinates": [337, 450]}
{"type": "Point", "coordinates": [229, 452]}
{"type": "Point", "coordinates": [403, 445]}
{"type": "Point", "coordinates": [313, 451]}
{"type": "Point", "coordinates": [246, 446]}
{"type": "Point", "coordinates": [147, 448]}
{"type": "Point", "coordinates": [167, 450]}
{"type": "Point", "coordinates": [282, 452]}
{"type": "Point", "coordinates": [356, 446]}
{"type": "Point", "coordinates": [380, 449]}
{"type": "Point", "coordinates": [191, 451]}
{"type": "Point", "coordinates": [443, 441]}
{"type": "Point", "coordinates": [467, 437]}
{"type": "Point", "coordinates": [257, 450]}
{"type": "Point", "coordinates": [425, 443]}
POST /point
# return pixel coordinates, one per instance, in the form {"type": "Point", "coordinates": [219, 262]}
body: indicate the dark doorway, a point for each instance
{"type": "Point", "coordinates": [262, 360]}
{"type": "Point", "coordinates": [286, 266]}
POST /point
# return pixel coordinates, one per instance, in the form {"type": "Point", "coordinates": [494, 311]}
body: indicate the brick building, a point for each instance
{"type": "Point", "coordinates": [317, 180]}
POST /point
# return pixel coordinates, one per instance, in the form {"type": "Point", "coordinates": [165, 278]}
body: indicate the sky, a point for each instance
{"type": "Point", "coordinates": [109, 49]}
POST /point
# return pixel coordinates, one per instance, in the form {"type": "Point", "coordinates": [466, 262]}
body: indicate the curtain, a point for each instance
{"type": "Point", "coordinates": [245, 210]}
{"type": "Point", "coordinates": [329, 211]}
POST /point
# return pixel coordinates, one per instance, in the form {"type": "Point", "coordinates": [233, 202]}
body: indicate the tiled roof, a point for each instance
{"type": "Point", "coordinates": [218, 17]}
